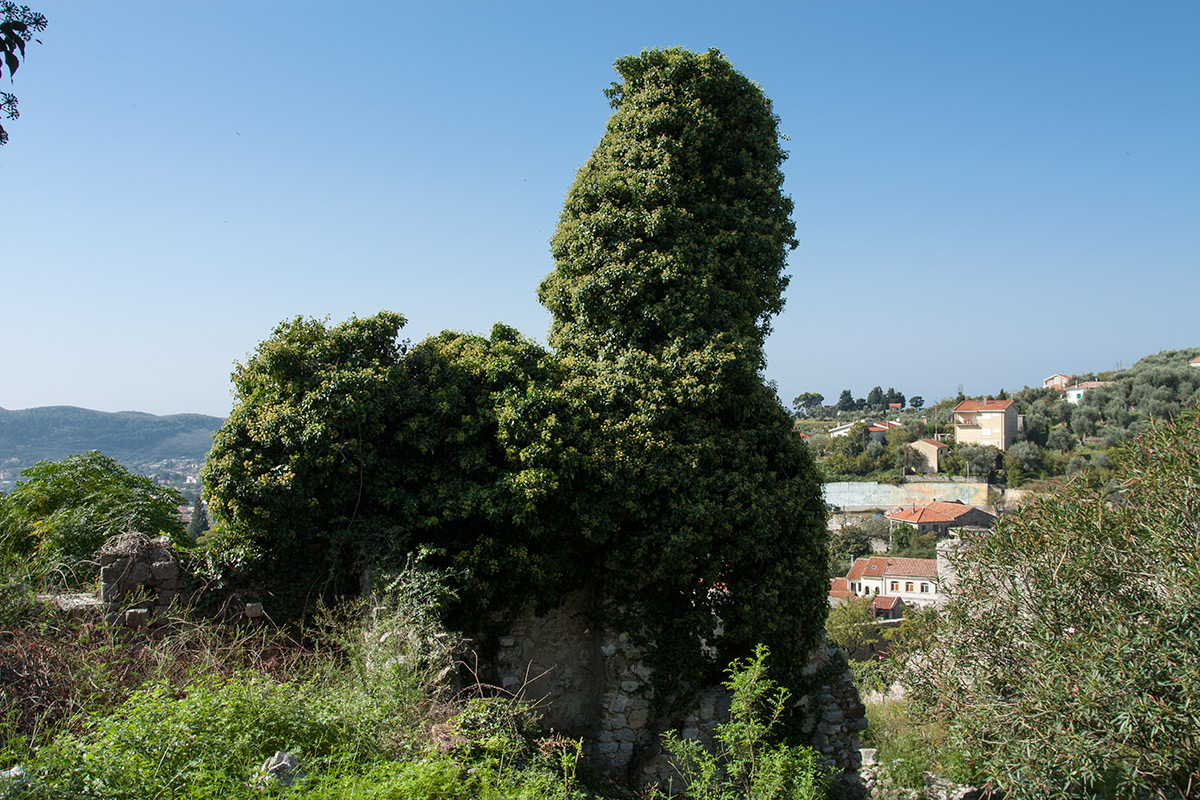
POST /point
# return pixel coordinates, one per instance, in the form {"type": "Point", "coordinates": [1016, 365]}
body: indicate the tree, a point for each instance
{"type": "Point", "coordinates": [1042, 694]}
{"type": "Point", "coordinates": [845, 401]}
{"type": "Point", "coordinates": [981, 459]}
{"type": "Point", "coordinates": [916, 402]}
{"type": "Point", "coordinates": [199, 522]}
{"type": "Point", "coordinates": [807, 403]}
{"type": "Point", "coordinates": [669, 258]}
{"type": "Point", "coordinates": [850, 625]}
{"type": "Point", "coordinates": [18, 24]}
{"type": "Point", "coordinates": [63, 511]}
{"type": "Point", "coordinates": [892, 396]}
{"type": "Point", "coordinates": [875, 399]}
{"type": "Point", "coordinates": [910, 459]}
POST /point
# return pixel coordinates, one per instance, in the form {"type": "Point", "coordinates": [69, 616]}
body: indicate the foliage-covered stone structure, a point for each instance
{"type": "Point", "coordinates": [641, 459]}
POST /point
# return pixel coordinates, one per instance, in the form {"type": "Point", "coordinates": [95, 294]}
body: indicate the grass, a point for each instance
{"type": "Point", "coordinates": [192, 709]}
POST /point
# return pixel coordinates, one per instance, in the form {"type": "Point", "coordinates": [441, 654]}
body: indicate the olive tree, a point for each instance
{"type": "Point", "coordinates": [1067, 659]}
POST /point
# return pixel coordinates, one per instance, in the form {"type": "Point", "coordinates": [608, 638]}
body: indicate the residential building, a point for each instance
{"type": "Point", "coordinates": [933, 451]}
{"type": "Point", "coordinates": [1195, 362]}
{"type": "Point", "coordinates": [1073, 394]}
{"type": "Point", "coordinates": [886, 607]}
{"type": "Point", "coordinates": [940, 518]}
{"type": "Point", "coordinates": [985, 422]}
{"type": "Point", "coordinates": [913, 580]}
{"type": "Point", "coordinates": [839, 591]}
{"type": "Point", "coordinates": [1056, 382]}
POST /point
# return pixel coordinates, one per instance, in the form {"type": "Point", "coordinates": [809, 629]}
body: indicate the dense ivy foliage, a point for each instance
{"type": "Point", "coordinates": [669, 259]}
{"type": "Point", "coordinates": [643, 458]}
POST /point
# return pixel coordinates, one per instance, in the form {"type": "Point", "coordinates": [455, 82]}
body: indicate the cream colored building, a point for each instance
{"type": "Point", "coordinates": [991, 422]}
{"type": "Point", "coordinates": [932, 450]}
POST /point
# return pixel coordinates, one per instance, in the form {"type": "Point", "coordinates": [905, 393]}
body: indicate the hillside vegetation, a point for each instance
{"type": "Point", "coordinates": [134, 439]}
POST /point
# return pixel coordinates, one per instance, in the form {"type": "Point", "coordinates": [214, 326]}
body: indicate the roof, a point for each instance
{"type": "Point", "coordinates": [885, 602]}
{"type": "Point", "coordinates": [931, 443]}
{"type": "Point", "coordinates": [1057, 375]}
{"type": "Point", "coordinates": [1195, 361]}
{"type": "Point", "coordinates": [936, 511]}
{"type": "Point", "coordinates": [1090, 385]}
{"type": "Point", "coordinates": [839, 588]}
{"type": "Point", "coordinates": [886, 566]}
{"type": "Point", "coordinates": [983, 405]}
{"type": "Point", "coordinates": [877, 429]}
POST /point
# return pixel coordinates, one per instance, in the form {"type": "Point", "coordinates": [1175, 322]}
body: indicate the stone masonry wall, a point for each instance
{"type": "Point", "coordinates": [594, 685]}
{"type": "Point", "coordinates": [139, 579]}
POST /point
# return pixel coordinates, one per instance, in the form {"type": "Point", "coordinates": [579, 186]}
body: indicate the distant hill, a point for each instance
{"type": "Point", "coordinates": [131, 437]}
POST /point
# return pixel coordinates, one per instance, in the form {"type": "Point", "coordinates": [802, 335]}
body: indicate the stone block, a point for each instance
{"type": "Point", "coordinates": [164, 570]}
{"type": "Point", "coordinates": [507, 641]}
{"type": "Point", "coordinates": [137, 617]}
{"type": "Point", "coordinates": [637, 719]}
{"type": "Point", "coordinates": [138, 572]}
{"type": "Point", "coordinates": [254, 610]}
{"type": "Point", "coordinates": [859, 724]}
{"type": "Point", "coordinates": [833, 715]}
{"type": "Point", "coordinates": [630, 686]}
{"type": "Point", "coordinates": [868, 755]}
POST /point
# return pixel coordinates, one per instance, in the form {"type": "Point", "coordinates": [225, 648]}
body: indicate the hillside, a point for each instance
{"type": "Point", "coordinates": [135, 439]}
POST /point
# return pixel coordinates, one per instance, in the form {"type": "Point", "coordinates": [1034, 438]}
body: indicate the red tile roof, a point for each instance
{"type": "Point", "coordinates": [884, 602]}
{"type": "Point", "coordinates": [886, 566]}
{"type": "Point", "coordinates": [983, 405]}
{"type": "Point", "coordinates": [933, 442]}
{"type": "Point", "coordinates": [936, 511]}
{"type": "Point", "coordinates": [839, 588]}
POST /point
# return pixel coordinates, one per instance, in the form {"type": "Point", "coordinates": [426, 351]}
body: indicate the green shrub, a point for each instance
{"type": "Point", "coordinates": [748, 762]}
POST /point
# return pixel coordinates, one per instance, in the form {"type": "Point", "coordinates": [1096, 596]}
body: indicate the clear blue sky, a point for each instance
{"type": "Point", "coordinates": [986, 192]}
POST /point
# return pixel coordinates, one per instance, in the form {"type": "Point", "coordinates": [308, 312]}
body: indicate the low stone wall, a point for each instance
{"type": "Point", "coordinates": [593, 684]}
{"type": "Point", "coordinates": [140, 579]}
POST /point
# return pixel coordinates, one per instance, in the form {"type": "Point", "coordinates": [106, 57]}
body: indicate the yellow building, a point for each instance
{"type": "Point", "coordinates": [991, 422]}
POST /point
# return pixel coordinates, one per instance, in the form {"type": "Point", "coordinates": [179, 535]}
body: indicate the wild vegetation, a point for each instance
{"type": "Point", "coordinates": [1066, 660]}
{"type": "Point", "coordinates": [641, 457]}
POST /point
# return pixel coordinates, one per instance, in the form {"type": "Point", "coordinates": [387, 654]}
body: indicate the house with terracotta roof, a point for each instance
{"type": "Point", "coordinates": [933, 451]}
{"type": "Point", "coordinates": [886, 607]}
{"type": "Point", "coordinates": [986, 422]}
{"type": "Point", "coordinates": [1056, 382]}
{"type": "Point", "coordinates": [839, 591]}
{"type": "Point", "coordinates": [940, 518]}
{"type": "Point", "coordinates": [914, 580]}
{"type": "Point", "coordinates": [1195, 362]}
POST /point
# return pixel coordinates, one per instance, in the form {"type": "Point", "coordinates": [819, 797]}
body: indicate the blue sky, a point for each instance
{"type": "Point", "coordinates": [986, 192]}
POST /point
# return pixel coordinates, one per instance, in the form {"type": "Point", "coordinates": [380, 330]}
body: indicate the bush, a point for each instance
{"type": "Point", "coordinates": [748, 763]}
{"type": "Point", "coordinates": [1069, 652]}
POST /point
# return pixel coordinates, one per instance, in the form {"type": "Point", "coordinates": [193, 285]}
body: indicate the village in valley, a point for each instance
{"type": "Point", "coordinates": [939, 511]}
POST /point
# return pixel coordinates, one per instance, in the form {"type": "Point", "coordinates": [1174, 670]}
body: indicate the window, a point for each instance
{"type": "Point", "coordinates": [908, 586]}
{"type": "Point", "coordinates": [925, 588]}
{"type": "Point", "coordinates": [895, 586]}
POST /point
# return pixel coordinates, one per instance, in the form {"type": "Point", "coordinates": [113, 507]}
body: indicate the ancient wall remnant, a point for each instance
{"type": "Point", "coordinates": [593, 684]}
{"type": "Point", "coordinates": [139, 578]}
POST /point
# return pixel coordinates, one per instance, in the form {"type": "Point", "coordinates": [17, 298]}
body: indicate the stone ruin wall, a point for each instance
{"type": "Point", "coordinates": [140, 579]}
{"type": "Point", "coordinates": [592, 684]}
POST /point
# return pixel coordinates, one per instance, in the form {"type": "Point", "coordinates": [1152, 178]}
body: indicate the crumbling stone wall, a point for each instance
{"type": "Point", "coordinates": [593, 684]}
{"type": "Point", "coordinates": [140, 578]}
